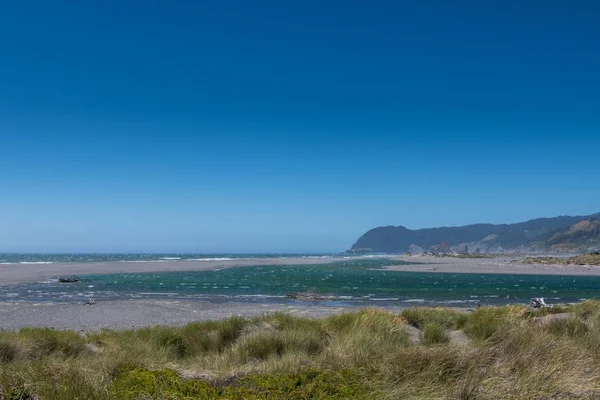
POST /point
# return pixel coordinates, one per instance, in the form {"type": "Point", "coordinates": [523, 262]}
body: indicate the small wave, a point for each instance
{"type": "Point", "coordinates": [385, 299]}
{"type": "Point", "coordinates": [316, 257]}
{"type": "Point", "coordinates": [458, 301]}
{"type": "Point", "coordinates": [36, 262]}
{"type": "Point", "coordinates": [211, 259]}
{"type": "Point", "coordinates": [414, 301]}
{"type": "Point", "coordinates": [170, 258]}
{"type": "Point", "coordinates": [155, 294]}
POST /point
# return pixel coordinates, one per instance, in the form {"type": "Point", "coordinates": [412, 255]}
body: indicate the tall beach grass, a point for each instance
{"type": "Point", "coordinates": [511, 353]}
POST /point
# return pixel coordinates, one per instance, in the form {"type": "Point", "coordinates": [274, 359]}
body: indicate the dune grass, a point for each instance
{"type": "Point", "coordinates": [513, 353]}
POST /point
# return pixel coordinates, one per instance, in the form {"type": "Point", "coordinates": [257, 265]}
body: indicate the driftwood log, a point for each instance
{"type": "Point", "coordinates": [310, 296]}
{"type": "Point", "coordinates": [537, 302]}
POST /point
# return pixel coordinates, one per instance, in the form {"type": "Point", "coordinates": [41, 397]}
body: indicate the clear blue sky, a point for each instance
{"type": "Point", "coordinates": [290, 126]}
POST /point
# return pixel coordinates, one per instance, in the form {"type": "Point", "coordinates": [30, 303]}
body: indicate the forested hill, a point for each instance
{"type": "Point", "coordinates": [559, 234]}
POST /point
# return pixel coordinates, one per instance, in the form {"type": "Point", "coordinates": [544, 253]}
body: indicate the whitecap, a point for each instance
{"type": "Point", "coordinates": [385, 299]}
{"type": "Point", "coordinates": [35, 262]}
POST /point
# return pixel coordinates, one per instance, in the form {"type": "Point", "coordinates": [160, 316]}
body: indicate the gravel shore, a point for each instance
{"type": "Point", "coordinates": [123, 314]}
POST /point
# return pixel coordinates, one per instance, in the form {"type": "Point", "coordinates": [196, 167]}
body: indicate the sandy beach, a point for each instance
{"type": "Point", "coordinates": [496, 265]}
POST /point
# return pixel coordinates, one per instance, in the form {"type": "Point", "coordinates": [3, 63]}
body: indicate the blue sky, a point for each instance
{"type": "Point", "coordinates": [290, 126]}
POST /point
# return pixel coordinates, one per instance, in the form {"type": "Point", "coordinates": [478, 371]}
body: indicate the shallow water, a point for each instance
{"type": "Point", "coordinates": [353, 283]}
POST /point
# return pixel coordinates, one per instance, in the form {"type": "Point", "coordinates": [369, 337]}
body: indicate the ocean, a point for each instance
{"type": "Point", "coordinates": [42, 258]}
{"type": "Point", "coordinates": [358, 281]}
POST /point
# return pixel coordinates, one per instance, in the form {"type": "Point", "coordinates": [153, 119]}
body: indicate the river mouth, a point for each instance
{"type": "Point", "coordinates": [356, 283]}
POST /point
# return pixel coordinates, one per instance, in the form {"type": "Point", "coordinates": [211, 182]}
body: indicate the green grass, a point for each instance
{"type": "Point", "coordinates": [308, 384]}
{"type": "Point", "coordinates": [513, 353]}
{"type": "Point", "coordinates": [447, 318]}
{"type": "Point", "coordinates": [434, 334]}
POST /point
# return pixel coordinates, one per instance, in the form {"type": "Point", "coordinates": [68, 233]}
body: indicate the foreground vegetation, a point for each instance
{"type": "Point", "coordinates": [506, 352]}
{"type": "Point", "coordinates": [583, 259]}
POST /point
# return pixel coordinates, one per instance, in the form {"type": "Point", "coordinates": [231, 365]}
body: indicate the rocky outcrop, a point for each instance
{"type": "Point", "coordinates": [414, 249]}
{"type": "Point", "coordinates": [440, 248]}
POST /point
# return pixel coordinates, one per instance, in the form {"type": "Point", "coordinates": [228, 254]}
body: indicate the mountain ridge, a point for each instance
{"type": "Point", "coordinates": [569, 234]}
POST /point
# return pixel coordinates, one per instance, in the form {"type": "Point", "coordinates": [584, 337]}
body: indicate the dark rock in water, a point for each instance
{"type": "Point", "coordinates": [71, 279]}
{"type": "Point", "coordinates": [537, 302]}
{"type": "Point", "coordinates": [365, 250]}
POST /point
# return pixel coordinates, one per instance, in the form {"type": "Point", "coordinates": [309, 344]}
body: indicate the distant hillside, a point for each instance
{"type": "Point", "coordinates": [559, 234]}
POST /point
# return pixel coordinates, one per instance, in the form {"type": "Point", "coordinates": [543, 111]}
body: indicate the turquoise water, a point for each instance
{"type": "Point", "coordinates": [353, 283]}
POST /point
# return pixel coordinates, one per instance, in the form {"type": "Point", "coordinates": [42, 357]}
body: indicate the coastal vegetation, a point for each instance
{"type": "Point", "coordinates": [501, 352]}
{"type": "Point", "coordinates": [463, 255]}
{"type": "Point", "coordinates": [583, 259]}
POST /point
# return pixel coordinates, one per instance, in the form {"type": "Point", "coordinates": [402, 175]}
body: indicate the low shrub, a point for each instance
{"type": "Point", "coordinates": [309, 384]}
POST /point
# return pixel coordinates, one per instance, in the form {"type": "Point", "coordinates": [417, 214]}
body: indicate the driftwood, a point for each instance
{"type": "Point", "coordinates": [537, 302]}
{"type": "Point", "coordinates": [310, 296]}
